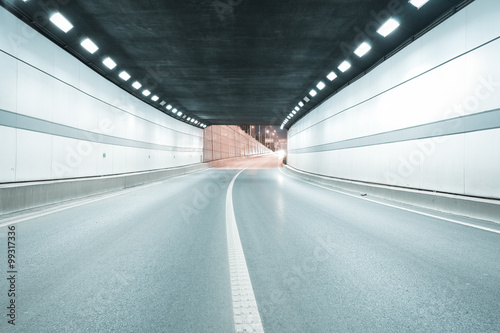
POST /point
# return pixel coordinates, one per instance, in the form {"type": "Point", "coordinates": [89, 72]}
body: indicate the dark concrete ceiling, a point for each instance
{"type": "Point", "coordinates": [232, 61]}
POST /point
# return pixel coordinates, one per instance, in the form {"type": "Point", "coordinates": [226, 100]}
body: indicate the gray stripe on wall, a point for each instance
{"type": "Point", "coordinates": [464, 124]}
{"type": "Point", "coordinates": [14, 120]}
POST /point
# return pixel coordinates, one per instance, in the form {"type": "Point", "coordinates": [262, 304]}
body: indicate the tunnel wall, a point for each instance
{"type": "Point", "coordinates": [427, 118]}
{"type": "Point", "coordinates": [60, 119]}
{"type": "Point", "coordinates": [222, 142]}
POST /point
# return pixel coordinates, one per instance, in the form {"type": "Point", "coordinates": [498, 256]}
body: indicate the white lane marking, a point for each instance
{"type": "Point", "coordinates": [245, 310]}
{"type": "Point", "coordinates": [83, 201]}
{"type": "Point", "coordinates": [398, 207]}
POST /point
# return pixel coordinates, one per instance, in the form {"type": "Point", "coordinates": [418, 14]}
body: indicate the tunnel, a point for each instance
{"type": "Point", "coordinates": [250, 166]}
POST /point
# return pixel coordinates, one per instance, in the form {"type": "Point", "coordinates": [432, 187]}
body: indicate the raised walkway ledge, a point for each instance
{"type": "Point", "coordinates": [20, 196]}
{"type": "Point", "coordinates": [472, 207]}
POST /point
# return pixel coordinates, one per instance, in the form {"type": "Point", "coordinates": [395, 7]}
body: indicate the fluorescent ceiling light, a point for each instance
{"type": "Point", "coordinates": [196, 122]}
{"type": "Point", "coordinates": [320, 85]}
{"type": "Point", "coordinates": [192, 120]}
{"type": "Point", "coordinates": [109, 63]}
{"type": "Point", "coordinates": [313, 93]}
{"type": "Point", "coordinates": [301, 104]}
{"type": "Point", "coordinates": [332, 76]}
{"type": "Point", "coordinates": [61, 22]}
{"type": "Point", "coordinates": [362, 49]}
{"type": "Point", "coordinates": [281, 127]}
{"type": "Point", "coordinates": [291, 115]}
{"type": "Point", "coordinates": [162, 103]}
{"type": "Point", "coordinates": [174, 110]}
{"type": "Point", "coordinates": [124, 76]}
{"type": "Point", "coordinates": [288, 117]}
{"type": "Point", "coordinates": [155, 98]}
{"type": "Point", "coordinates": [179, 113]}
{"type": "Point", "coordinates": [389, 26]}
{"type": "Point", "coordinates": [344, 66]}
{"type": "Point", "coordinates": [146, 92]}
{"type": "Point", "coordinates": [294, 112]}
{"type": "Point", "coordinates": [189, 118]}
{"type": "Point", "coordinates": [306, 99]}
{"type": "Point", "coordinates": [169, 107]}
{"type": "Point", "coordinates": [89, 45]}
{"type": "Point", "coordinates": [297, 108]}
{"type": "Point", "coordinates": [136, 85]}
{"type": "Point", "coordinates": [418, 3]}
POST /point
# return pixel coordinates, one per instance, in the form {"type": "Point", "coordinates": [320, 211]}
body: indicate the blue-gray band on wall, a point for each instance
{"type": "Point", "coordinates": [463, 124]}
{"type": "Point", "coordinates": [14, 120]}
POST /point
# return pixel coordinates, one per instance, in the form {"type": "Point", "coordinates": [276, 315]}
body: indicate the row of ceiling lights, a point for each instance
{"type": "Point", "coordinates": [385, 29]}
{"type": "Point", "coordinates": [62, 23]}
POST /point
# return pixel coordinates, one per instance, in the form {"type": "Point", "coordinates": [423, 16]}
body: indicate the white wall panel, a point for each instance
{"type": "Point", "coordinates": [35, 93]}
{"type": "Point", "coordinates": [65, 68]}
{"type": "Point", "coordinates": [119, 159]}
{"type": "Point", "coordinates": [37, 51]}
{"type": "Point", "coordinates": [65, 159]}
{"type": "Point", "coordinates": [8, 83]}
{"type": "Point", "coordinates": [416, 93]}
{"type": "Point", "coordinates": [105, 164]}
{"type": "Point", "coordinates": [445, 42]}
{"type": "Point", "coordinates": [483, 78]}
{"type": "Point", "coordinates": [9, 38]}
{"type": "Point", "coordinates": [56, 87]}
{"type": "Point", "coordinates": [482, 163]}
{"type": "Point", "coordinates": [442, 163]}
{"type": "Point", "coordinates": [34, 155]}
{"type": "Point", "coordinates": [482, 22]}
{"type": "Point", "coordinates": [8, 149]}
{"type": "Point", "coordinates": [65, 109]}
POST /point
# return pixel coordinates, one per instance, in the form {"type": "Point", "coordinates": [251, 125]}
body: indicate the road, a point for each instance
{"type": "Point", "coordinates": [167, 258]}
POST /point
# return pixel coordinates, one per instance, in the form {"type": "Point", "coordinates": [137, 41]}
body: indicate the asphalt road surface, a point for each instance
{"type": "Point", "coordinates": [263, 251]}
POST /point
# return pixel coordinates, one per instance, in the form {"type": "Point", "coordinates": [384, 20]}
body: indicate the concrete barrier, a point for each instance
{"type": "Point", "coordinates": [15, 197]}
{"type": "Point", "coordinates": [478, 208]}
